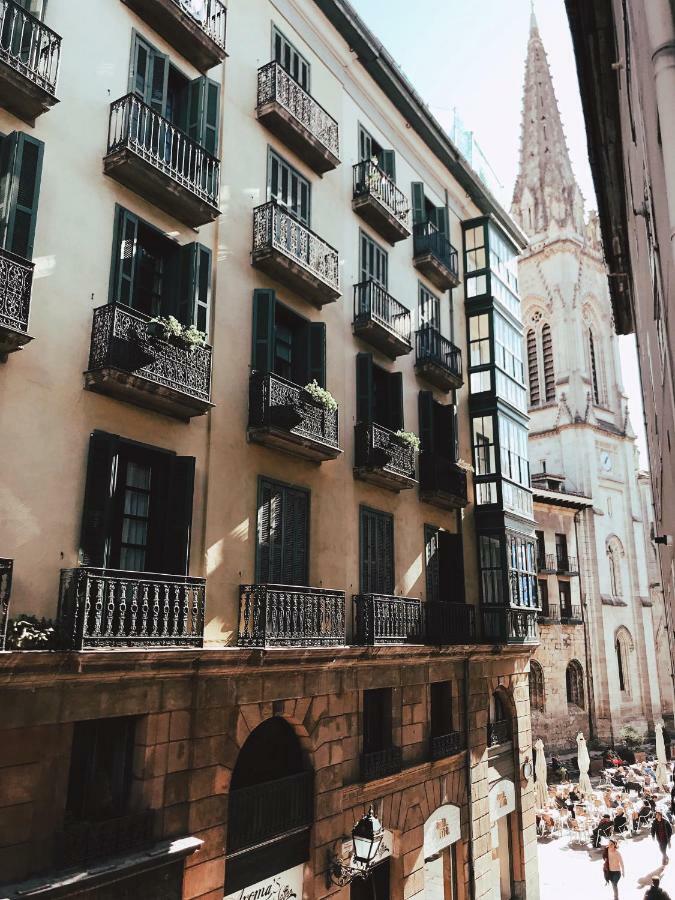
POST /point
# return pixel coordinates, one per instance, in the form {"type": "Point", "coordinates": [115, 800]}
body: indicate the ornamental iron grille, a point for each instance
{"type": "Point", "coordinates": [122, 338]}
{"type": "Point", "coordinates": [499, 733]}
{"type": "Point", "coordinates": [387, 619]}
{"type": "Point", "coordinates": [546, 562]}
{"type": "Point", "coordinates": [566, 565]}
{"type": "Point", "coordinates": [29, 46]}
{"type": "Point", "coordinates": [441, 475]}
{"type": "Point", "coordinates": [275, 401]}
{"type": "Point", "coordinates": [571, 613]}
{"type": "Point", "coordinates": [449, 623]}
{"type": "Point", "coordinates": [446, 745]}
{"type": "Point", "coordinates": [549, 611]}
{"type": "Point", "coordinates": [107, 608]}
{"type": "Point", "coordinates": [275, 229]}
{"type": "Point", "coordinates": [6, 567]}
{"type": "Point", "coordinates": [431, 346]}
{"type": "Point", "coordinates": [428, 239]}
{"type": "Point", "coordinates": [16, 281]}
{"type": "Point", "coordinates": [373, 303]}
{"type": "Point", "coordinates": [275, 85]}
{"type": "Point", "coordinates": [135, 126]}
{"type": "Point", "coordinates": [267, 810]}
{"type": "Point", "coordinates": [380, 763]}
{"type": "Point", "coordinates": [277, 615]}
{"type": "Point", "coordinates": [210, 15]}
{"type": "Point", "coordinates": [84, 842]}
{"type": "Point", "coordinates": [379, 448]}
{"type": "Point", "coordinates": [510, 626]}
{"type": "Point", "coordinates": [371, 181]}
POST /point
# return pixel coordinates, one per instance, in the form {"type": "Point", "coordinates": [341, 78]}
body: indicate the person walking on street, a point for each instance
{"type": "Point", "coordinates": [662, 830]}
{"type": "Point", "coordinates": [613, 865]}
{"type": "Point", "coordinates": [656, 892]}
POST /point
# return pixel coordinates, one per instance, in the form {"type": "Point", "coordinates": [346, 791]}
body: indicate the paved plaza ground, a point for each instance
{"type": "Point", "coordinates": [571, 872]}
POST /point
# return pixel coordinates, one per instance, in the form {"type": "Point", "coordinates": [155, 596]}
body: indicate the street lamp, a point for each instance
{"type": "Point", "coordinates": [367, 837]}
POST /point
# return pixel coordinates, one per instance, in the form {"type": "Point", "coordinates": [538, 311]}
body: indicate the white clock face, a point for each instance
{"type": "Point", "coordinates": [606, 461]}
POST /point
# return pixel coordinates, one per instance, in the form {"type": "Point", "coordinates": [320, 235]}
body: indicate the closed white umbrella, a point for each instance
{"type": "Point", "coordinates": [661, 762]}
{"type": "Point", "coordinates": [584, 761]}
{"type": "Point", "coordinates": [540, 786]}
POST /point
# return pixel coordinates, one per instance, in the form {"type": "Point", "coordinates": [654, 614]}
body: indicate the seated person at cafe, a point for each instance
{"type": "Point", "coordinates": [619, 777]}
{"type": "Point", "coordinates": [610, 759]}
{"type": "Point", "coordinates": [620, 821]}
{"type": "Point", "coordinates": [643, 812]}
{"type": "Point", "coordinates": [543, 817]}
{"type": "Point", "coordinates": [574, 795]}
{"type": "Point", "coordinates": [602, 830]}
{"type": "Point", "coordinates": [609, 799]}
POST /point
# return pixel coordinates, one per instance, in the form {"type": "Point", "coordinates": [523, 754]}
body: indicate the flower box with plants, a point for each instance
{"type": "Point", "coordinates": [407, 439]}
{"type": "Point", "coordinates": [314, 393]}
{"type": "Point", "coordinates": [170, 330]}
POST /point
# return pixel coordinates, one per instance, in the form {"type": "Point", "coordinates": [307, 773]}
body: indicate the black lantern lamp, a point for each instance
{"type": "Point", "coordinates": [367, 837]}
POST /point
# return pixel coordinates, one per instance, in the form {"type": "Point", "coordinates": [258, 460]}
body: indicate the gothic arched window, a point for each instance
{"type": "Point", "coordinates": [533, 367]}
{"type": "Point", "coordinates": [620, 662]}
{"type": "Point", "coordinates": [622, 648]}
{"type": "Point", "coordinates": [574, 676]}
{"type": "Point", "coordinates": [549, 374]}
{"type": "Point", "coordinates": [594, 361]}
{"type": "Point", "coordinates": [536, 686]}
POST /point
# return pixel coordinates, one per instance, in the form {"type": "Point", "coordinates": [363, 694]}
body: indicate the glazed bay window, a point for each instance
{"type": "Point", "coordinates": [514, 466]}
{"type": "Point", "coordinates": [433, 254]}
{"type": "Point", "coordinates": [510, 373]}
{"type": "Point", "coordinates": [132, 588]}
{"type": "Point", "coordinates": [29, 59]}
{"type": "Point", "coordinates": [380, 757]}
{"type": "Point", "coordinates": [447, 618]}
{"type": "Point", "coordinates": [288, 357]}
{"type": "Point", "coordinates": [437, 359]}
{"type": "Point", "coordinates": [484, 459]}
{"type": "Point", "coordinates": [490, 262]}
{"type": "Point", "coordinates": [522, 570]}
{"type": "Point", "coordinates": [442, 481]}
{"type": "Point", "coordinates": [163, 137]}
{"type": "Point", "coordinates": [20, 174]}
{"type": "Point", "coordinates": [376, 198]}
{"type": "Point", "coordinates": [132, 356]}
{"type": "Point", "coordinates": [480, 354]}
{"type": "Point", "coordinates": [379, 319]}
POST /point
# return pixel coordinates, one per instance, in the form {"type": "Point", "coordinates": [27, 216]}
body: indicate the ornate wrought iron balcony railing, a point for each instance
{"type": "Point", "coordinates": [279, 615]}
{"type": "Point", "coordinates": [566, 565]}
{"type": "Point", "coordinates": [437, 359]}
{"type": "Point", "coordinates": [387, 619]}
{"type": "Point", "coordinates": [434, 256]}
{"type": "Point", "coordinates": [150, 155]}
{"type": "Point", "coordinates": [294, 115]}
{"type": "Point", "coordinates": [449, 623]}
{"type": "Point", "coordinates": [383, 459]}
{"type": "Point", "coordinates": [499, 733]}
{"type": "Point", "coordinates": [510, 625]}
{"type": "Point", "coordinates": [289, 251]}
{"type": "Point", "coordinates": [546, 562]}
{"type": "Point", "coordinates": [263, 811]}
{"type": "Point", "coordinates": [283, 415]}
{"type": "Point", "coordinates": [379, 202]}
{"type": "Point", "coordinates": [84, 842]}
{"type": "Point", "coordinates": [6, 568]}
{"type": "Point", "coordinates": [446, 745]}
{"type": "Point", "coordinates": [549, 612]}
{"type": "Point", "coordinates": [380, 763]}
{"type": "Point", "coordinates": [381, 320]}
{"type": "Point", "coordinates": [570, 614]}
{"type": "Point", "coordinates": [442, 482]}
{"type": "Point", "coordinates": [16, 282]}
{"type": "Point", "coordinates": [196, 28]}
{"type": "Point", "coordinates": [127, 361]}
{"type": "Point", "coordinates": [108, 608]}
{"type": "Point", "coordinates": [29, 62]}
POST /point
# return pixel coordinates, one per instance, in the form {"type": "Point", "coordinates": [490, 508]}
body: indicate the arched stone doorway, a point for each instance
{"type": "Point", "coordinates": [442, 868]}
{"type": "Point", "coordinates": [270, 813]}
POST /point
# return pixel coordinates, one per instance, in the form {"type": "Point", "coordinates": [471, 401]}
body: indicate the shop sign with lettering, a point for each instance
{"type": "Point", "coordinates": [441, 829]}
{"type": "Point", "coordinates": [284, 886]}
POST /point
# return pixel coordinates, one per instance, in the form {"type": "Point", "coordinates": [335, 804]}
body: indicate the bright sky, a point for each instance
{"type": "Point", "coordinates": [470, 54]}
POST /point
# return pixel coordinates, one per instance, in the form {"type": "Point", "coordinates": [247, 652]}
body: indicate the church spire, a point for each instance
{"type": "Point", "coordinates": [546, 198]}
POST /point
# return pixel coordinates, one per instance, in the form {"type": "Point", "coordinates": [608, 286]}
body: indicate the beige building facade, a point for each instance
{"type": "Point", "coordinates": [248, 272]}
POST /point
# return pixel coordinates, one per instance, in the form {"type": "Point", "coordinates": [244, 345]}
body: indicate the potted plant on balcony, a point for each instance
{"type": "Point", "coordinates": [172, 331]}
{"type": "Point", "coordinates": [407, 439]}
{"type": "Point", "coordinates": [314, 393]}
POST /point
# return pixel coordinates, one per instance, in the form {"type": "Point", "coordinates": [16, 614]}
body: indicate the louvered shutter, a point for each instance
{"type": "Point", "coordinates": [451, 571]}
{"type": "Point", "coordinates": [418, 202]}
{"type": "Point", "coordinates": [426, 416]}
{"type": "Point", "coordinates": [268, 557]}
{"type": "Point", "coordinates": [445, 431]}
{"type": "Point", "coordinates": [178, 523]}
{"type": "Point", "coordinates": [432, 562]}
{"type": "Point", "coordinates": [364, 387]}
{"type": "Point", "coordinates": [125, 245]}
{"type": "Point", "coordinates": [384, 561]}
{"type": "Point", "coordinates": [442, 220]}
{"type": "Point", "coordinates": [317, 353]}
{"type": "Point", "coordinates": [395, 398]}
{"type": "Point", "coordinates": [195, 286]}
{"type": "Point", "coordinates": [295, 528]}
{"type": "Point", "coordinates": [21, 190]}
{"type": "Point", "coordinates": [387, 160]}
{"type": "Point", "coordinates": [95, 537]}
{"type": "Point", "coordinates": [149, 75]}
{"type": "Point", "coordinates": [203, 113]}
{"type": "Point", "coordinates": [264, 302]}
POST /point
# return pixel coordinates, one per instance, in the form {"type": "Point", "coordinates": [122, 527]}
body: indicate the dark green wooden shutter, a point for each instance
{"type": "Point", "coordinates": [98, 494]}
{"type": "Point", "coordinates": [149, 75]}
{"type": "Point", "coordinates": [454, 432]}
{"type": "Point", "coordinates": [451, 567]}
{"type": "Point", "coordinates": [441, 220]}
{"type": "Point", "coordinates": [445, 439]}
{"type": "Point", "coordinates": [20, 188]}
{"type": "Point", "coordinates": [178, 526]}
{"type": "Point", "coordinates": [376, 552]}
{"type": "Point", "coordinates": [432, 562]}
{"type": "Point", "coordinates": [195, 285]}
{"type": "Point", "coordinates": [365, 145]}
{"type": "Point", "coordinates": [387, 159]}
{"type": "Point", "coordinates": [269, 533]}
{"type": "Point", "coordinates": [395, 392]}
{"type": "Point", "coordinates": [125, 244]}
{"type": "Point", "coordinates": [203, 112]}
{"type": "Point", "coordinates": [385, 554]}
{"type": "Point", "coordinates": [418, 203]}
{"type": "Point", "coordinates": [317, 353]}
{"type": "Point", "coordinates": [264, 302]}
{"type": "Point", "coordinates": [295, 537]}
{"type": "Point", "coordinates": [364, 387]}
{"type": "Point", "coordinates": [426, 414]}
{"type": "Point", "coordinates": [283, 524]}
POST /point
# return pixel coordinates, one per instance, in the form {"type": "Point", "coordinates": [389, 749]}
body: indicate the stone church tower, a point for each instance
{"type": "Point", "coordinates": [603, 659]}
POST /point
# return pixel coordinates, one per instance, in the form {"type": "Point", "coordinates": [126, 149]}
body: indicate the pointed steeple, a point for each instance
{"type": "Point", "coordinates": [546, 198]}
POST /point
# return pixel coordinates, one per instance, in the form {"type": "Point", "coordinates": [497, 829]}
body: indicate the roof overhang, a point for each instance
{"type": "Point", "coordinates": [560, 498]}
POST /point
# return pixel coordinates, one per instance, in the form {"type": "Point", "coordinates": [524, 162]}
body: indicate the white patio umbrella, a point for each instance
{"type": "Point", "coordinates": [540, 786]}
{"type": "Point", "coordinates": [584, 760]}
{"type": "Point", "coordinates": [661, 762]}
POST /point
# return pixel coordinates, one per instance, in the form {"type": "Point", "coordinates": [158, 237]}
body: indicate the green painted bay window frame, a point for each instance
{"type": "Point", "coordinates": [481, 351]}
{"type": "Point", "coordinates": [484, 441]}
{"type": "Point", "coordinates": [490, 264]}
{"type": "Point", "coordinates": [508, 577]}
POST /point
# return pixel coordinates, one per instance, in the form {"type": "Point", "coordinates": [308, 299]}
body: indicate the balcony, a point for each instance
{"type": "Point", "coordinates": [387, 619]}
{"type": "Point", "coordinates": [380, 763]}
{"type": "Point", "coordinates": [283, 416]}
{"type": "Point", "coordinates": [546, 563]}
{"type": "Point", "coordinates": [437, 359]}
{"type": "Point", "coordinates": [81, 843]}
{"type": "Point", "coordinates": [570, 615]}
{"type": "Point", "coordinates": [566, 565]}
{"type": "Point", "coordinates": [434, 256]}
{"type": "Point", "coordinates": [104, 609]}
{"type": "Point", "coordinates": [6, 567]}
{"type": "Point", "coordinates": [445, 745]}
{"type": "Point", "coordinates": [264, 811]}
{"type": "Point", "coordinates": [549, 614]}
{"type": "Point", "coordinates": [295, 117]}
{"type": "Point", "coordinates": [149, 155]}
{"type": "Point", "coordinates": [380, 203]}
{"type": "Point", "coordinates": [288, 251]}
{"type": "Point", "coordinates": [499, 733]}
{"type": "Point", "coordinates": [442, 482]}
{"type": "Point", "coordinates": [29, 62]}
{"type": "Point", "coordinates": [449, 623]}
{"type": "Point", "coordinates": [127, 361]}
{"type": "Point", "coordinates": [278, 615]}
{"type": "Point", "coordinates": [383, 459]}
{"type": "Point", "coordinates": [16, 282]}
{"type": "Point", "coordinates": [510, 626]}
{"type": "Point", "coordinates": [380, 320]}
{"type": "Point", "coordinates": [196, 28]}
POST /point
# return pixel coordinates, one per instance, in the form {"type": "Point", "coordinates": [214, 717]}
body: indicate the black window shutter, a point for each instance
{"type": "Point", "coordinates": [195, 286]}
{"type": "Point", "coordinates": [21, 174]}
{"type": "Point", "coordinates": [264, 302]}
{"type": "Point", "coordinates": [365, 520]}
{"type": "Point", "coordinates": [317, 353]}
{"type": "Point", "coordinates": [98, 494]}
{"type": "Point", "coordinates": [178, 525]}
{"type": "Point", "coordinates": [451, 567]}
{"type": "Point", "coordinates": [426, 414]}
{"type": "Point", "coordinates": [395, 390]}
{"type": "Point", "coordinates": [385, 556]}
{"type": "Point", "coordinates": [418, 202]}
{"type": "Point", "coordinates": [295, 537]}
{"type": "Point", "coordinates": [387, 159]}
{"type": "Point", "coordinates": [445, 436]}
{"type": "Point", "coordinates": [364, 387]}
{"type": "Point", "coordinates": [268, 550]}
{"type": "Point", "coordinates": [125, 245]}
{"type": "Point", "coordinates": [432, 562]}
